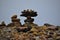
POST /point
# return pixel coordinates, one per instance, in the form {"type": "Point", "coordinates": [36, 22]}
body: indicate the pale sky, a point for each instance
{"type": "Point", "coordinates": [48, 10]}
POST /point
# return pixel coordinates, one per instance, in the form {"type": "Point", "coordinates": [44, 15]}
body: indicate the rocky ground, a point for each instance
{"type": "Point", "coordinates": [35, 33]}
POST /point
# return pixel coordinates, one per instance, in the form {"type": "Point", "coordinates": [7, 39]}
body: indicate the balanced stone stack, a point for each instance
{"type": "Point", "coordinates": [15, 20]}
{"type": "Point", "coordinates": [2, 25]}
{"type": "Point", "coordinates": [29, 14]}
{"type": "Point", "coordinates": [29, 30]}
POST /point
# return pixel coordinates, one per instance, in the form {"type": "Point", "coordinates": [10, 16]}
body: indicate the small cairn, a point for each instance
{"type": "Point", "coordinates": [2, 24]}
{"type": "Point", "coordinates": [29, 14]}
{"type": "Point", "coordinates": [15, 21]}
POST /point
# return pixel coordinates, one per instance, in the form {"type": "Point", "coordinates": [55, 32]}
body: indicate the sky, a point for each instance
{"type": "Point", "coordinates": [48, 10]}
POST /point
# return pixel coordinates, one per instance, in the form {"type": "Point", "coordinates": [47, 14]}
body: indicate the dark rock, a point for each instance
{"type": "Point", "coordinates": [26, 13]}
{"type": "Point", "coordinates": [3, 24]}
